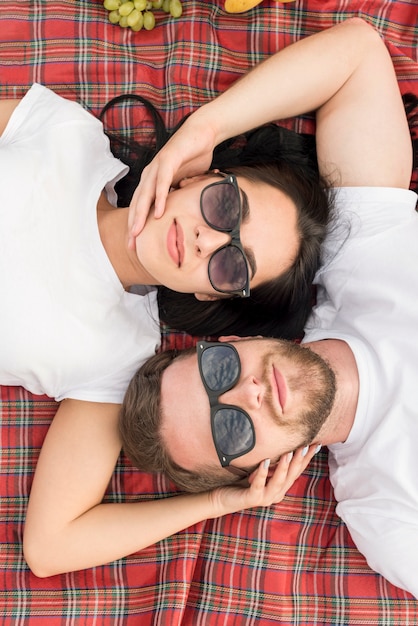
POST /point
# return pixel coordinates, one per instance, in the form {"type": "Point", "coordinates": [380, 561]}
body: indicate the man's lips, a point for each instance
{"type": "Point", "coordinates": [279, 388]}
{"type": "Point", "coordinates": [175, 243]}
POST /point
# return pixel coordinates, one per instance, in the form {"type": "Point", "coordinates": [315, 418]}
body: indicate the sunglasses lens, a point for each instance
{"type": "Point", "coordinates": [228, 269]}
{"type": "Point", "coordinates": [232, 431]}
{"type": "Point", "coordinates": [220, 367]}
{"type": "Point", "coordinates": [232, 428]}
{"type": "Point", "coordinates": [221, 205]}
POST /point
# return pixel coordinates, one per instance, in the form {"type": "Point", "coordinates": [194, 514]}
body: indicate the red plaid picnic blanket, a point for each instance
{"type": "Point", "coordinates": [293, 563]}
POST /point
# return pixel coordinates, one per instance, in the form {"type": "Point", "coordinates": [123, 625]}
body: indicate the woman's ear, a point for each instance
{"type": "Point", "coordinates": [191, 179]}
{"type": "Point", "coordinates": [205, 297]}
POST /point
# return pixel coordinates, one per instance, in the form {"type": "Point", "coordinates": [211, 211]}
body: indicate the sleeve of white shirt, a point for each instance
{"type": "Point", "coordinates": [389, 545]}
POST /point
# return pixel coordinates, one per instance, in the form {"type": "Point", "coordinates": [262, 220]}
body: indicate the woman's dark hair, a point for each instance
{"type": "Point", "coordinates": [278, 157]}
{"type": "Point", "coordinates": [279, 307]}
{"type": "Point", "coordinates": [272, 155]}
{"type": "Point", "coordinates": [411, 108]}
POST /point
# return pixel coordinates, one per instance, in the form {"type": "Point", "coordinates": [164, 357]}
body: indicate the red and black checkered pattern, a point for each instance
{"type": "Point", "coordinates": [293, 563]}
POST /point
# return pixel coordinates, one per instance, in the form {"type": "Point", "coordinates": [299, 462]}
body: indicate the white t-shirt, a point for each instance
{"type": "Point", "coordinates": [368, 297]}
{"type": "Point", "coordinates": [67, 327]}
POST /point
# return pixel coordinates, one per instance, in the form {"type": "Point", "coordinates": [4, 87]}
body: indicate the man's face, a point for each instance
{"type": "Point", "coordinates": [281, 384]}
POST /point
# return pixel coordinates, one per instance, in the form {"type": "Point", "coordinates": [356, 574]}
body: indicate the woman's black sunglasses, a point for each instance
{"type": "Point", "coordinates": [221, 207]}
{"type": "Point", "coordinates": [232, 428]}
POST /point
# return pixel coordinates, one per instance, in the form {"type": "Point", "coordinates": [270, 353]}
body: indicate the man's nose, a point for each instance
{"type": "Point", "coordinates": [248, 394]}
{"type": "Point", "coordinates": [208, 240]}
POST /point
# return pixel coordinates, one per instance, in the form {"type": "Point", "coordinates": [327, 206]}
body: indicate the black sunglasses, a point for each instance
{"type": "Point", "coordinates": [221, 207]}
{"type": "Point", "coordinates": [232, 428]}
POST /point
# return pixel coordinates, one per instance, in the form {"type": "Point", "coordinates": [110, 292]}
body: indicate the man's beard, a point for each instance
{"type": "Point", "coordinates": [317, 380]}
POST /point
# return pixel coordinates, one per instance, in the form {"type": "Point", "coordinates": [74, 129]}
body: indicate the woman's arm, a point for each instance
{"type": "Point", "coordinates": [6, 109]}
{"type": "Point", "coordinates": [69, 528]}
{"type": "Point", "coordinates": [344, 73]}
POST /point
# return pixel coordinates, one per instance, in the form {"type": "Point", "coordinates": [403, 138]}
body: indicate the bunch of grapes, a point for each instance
{"type": "Point", "coordinates": [137, 14]}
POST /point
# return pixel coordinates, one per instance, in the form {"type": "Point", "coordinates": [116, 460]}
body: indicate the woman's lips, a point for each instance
{"type": "Point", "coordinates": [279, 387]}
{"type": "Point", "coordinates": [175, 243]}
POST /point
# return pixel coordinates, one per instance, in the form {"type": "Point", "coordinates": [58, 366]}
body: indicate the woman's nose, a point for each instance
{"type": "Point", "coordinates": [208, 240]}
{"type": "Point", "coordinates": [247, 394]}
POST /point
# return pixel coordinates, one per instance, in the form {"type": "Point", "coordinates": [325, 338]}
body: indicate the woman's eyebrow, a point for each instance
{"type": "Point", "coordinates": [245, 207]}
{"type": "Point", "coordinates": [245, 216]}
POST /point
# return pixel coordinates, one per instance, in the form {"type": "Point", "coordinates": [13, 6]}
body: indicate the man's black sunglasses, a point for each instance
{"type": "Point", "coordinates": [232, 428]}
{"type": "Point", "coordinates": [221, 207]}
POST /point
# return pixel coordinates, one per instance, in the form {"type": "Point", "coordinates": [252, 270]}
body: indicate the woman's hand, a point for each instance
{"type": "Point", "coordinates": [188, 152]}
{"type": "Point", "coordinates": [264, 491]}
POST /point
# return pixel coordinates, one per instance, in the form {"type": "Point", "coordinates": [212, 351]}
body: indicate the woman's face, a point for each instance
{"type": "Point", "coordinates": [175, 249]}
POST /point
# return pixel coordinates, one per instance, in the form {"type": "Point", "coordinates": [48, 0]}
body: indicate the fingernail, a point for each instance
{"type": "Point", "coordinates": [305, 450]}
{"type": "Point", "coordinates": [317, 449]}
{"type": "Point", "coordinates": [289, 456]}
{"type": "Point", "coordinates": [266, 464]}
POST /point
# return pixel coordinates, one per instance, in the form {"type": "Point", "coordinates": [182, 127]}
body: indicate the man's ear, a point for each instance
{"type": "Point", "coordinates": [229, 338]}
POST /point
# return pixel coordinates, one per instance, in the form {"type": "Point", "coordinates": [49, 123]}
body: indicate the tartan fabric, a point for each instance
{"type": "Point", "coordinates": [293, 563]}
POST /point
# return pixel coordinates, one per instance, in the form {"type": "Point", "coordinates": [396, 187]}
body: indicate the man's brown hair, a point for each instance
{"type": "Point", "coordinates": [140, 429]}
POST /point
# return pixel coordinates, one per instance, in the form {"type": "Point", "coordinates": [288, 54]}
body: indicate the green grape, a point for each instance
{"type": "Point", "coordinates": [114, 17]}
{"type": "Point", "coordinates": [126, 8]}
{"type": "Point", "coordinates": [140, 23]}
{"type": "Point", "coordinates": [149, 20]}
{"type": "Point", "coordinates": [134, 17]}
{"type": "Point", "coordinates": [138, 14]}
{"type": "Point", "coordinates": [175, 8]}
{"type": "Point", "coordinates": [111, 5]}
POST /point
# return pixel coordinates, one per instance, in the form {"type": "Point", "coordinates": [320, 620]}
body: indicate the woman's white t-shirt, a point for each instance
{"type": "Point", "coordinates": [68, 329]}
